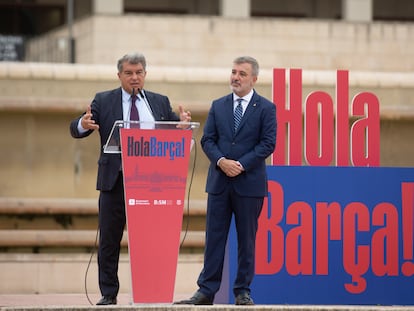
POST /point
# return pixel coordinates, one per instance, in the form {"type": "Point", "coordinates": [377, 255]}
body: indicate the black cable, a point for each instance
{"type": "Point", "coordinates": [89, 263]}
{"type": "Point", "coordinates": [189, 192]}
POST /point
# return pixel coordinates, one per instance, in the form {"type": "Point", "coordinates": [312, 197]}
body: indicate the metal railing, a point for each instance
{"type": "Point", "coordinates": [50, 49]}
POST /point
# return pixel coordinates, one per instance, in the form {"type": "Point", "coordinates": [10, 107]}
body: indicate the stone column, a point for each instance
{"type": "Point", "coordinates": [357, 10]}
{"type": "Point", "coordinates": [113, 7]}
{"type": "Point", "coordinates": [235, 8]}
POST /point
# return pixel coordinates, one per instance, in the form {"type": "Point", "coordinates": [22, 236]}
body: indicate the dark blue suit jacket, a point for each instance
{"type": "Point", "coordinates": [106, 109]}
{"type": "Point", "coordinates": [253, 142]}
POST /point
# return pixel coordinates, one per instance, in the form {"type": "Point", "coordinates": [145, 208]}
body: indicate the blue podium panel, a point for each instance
{"type": "Point", "coordinates": [334, 235]}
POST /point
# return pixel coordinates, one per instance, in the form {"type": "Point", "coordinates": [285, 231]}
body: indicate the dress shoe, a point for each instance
{"type": "Point", "coordinates": [197, 299]}
{"type": "Point", "coordinates": [244, 299]}
{"type": "Point", "coordinates": [107, 300]}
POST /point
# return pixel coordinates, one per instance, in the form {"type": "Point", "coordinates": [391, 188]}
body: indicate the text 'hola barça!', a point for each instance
{"type": "Point", "coordinates": [297, 236]}
{"type": "Point", "coordinates": [155, 148]}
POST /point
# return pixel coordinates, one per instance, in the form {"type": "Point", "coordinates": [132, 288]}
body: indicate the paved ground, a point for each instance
{"type": "Point", "coordinates": [54, 299]}
{"type": "Point", "coordinates": [11, 300]}
{"type": "Point", "coordinates": [80, 302]}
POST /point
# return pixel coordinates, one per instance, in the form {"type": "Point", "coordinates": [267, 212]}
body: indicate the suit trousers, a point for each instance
{"type": "Point", "coordinates": [111, 228]}
{"type": "Point", "coordinates": [220, 209]}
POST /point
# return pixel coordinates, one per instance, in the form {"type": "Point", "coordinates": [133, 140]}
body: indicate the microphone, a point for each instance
{"type": "Point", "coordinates": [140, 93]}
{"type": "Point", "coordinates": [145, 100]}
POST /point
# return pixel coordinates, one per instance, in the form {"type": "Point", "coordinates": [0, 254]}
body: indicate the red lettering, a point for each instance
{"type": "Point", "coordinates": [279, 98]}
{"type": "Point", "coordinates": [356, 257]}
{"type": "Point", "coordinates": [328, 227]}
{"type": "Point", "coordinates": [342, 118]}
{"type": "Point", "coordinates": [365, 132]}
{"type": "Point", "coordinates": [299, 247]}
{"type": "Point", "coordinates": [319, 131]}
{"type": "Point", "coordinates": [385, 240]}
{"type": "Point", "coordinates": [288, 117]}
{"type": "Point", "coordinates": [299, 240]}
{"type": "Point", "coordinates": [408, 227]}
{"type": "Point", "coordinates": [319, 137]}
{"type": "Point", "coordinates": [270, 236]}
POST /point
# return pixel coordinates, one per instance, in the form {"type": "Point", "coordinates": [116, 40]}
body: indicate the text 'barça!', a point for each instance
{"type": "Point", "coordinates": [155, 148]}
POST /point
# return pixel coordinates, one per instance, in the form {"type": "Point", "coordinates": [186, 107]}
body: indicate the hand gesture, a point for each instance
{"type": "Point", "coordinates": [185, 116]}
{"type": "Point", "coordinates": [87, 122]}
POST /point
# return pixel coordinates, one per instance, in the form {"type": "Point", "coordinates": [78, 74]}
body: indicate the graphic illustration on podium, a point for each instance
{"type": "Point", "coordinates": [155, 158]}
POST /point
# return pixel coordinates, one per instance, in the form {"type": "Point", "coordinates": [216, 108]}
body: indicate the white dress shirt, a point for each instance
{"type": "Point", "coordinates": [144, 109]}
{"type": "Point", "coordinates": [245, 102]}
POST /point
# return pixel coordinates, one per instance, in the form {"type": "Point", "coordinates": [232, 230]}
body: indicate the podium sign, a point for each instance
{"type": "Point", "coordinates": [155, 164]}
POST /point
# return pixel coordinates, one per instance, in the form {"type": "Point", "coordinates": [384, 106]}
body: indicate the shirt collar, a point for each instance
{"type": "Point", "coordinates": [126, 96]}
{"type": "Point", "coordinates": [245, 98]}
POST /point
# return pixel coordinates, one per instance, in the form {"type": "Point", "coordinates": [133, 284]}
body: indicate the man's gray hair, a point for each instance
{"type": "Point", "coordinates": [250, 60]}
{"type": "Point", "coordinates": [132, 58]}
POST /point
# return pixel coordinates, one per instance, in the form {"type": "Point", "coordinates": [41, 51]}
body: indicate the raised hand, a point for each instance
{"type": "Point", "coordinates": [184, 115]}
{"type": "Point", "coordinates": [87, 122]}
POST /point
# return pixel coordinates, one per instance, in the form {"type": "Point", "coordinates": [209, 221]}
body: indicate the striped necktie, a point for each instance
{"type": "Point", "coordinates": [238, 114]}
{"type": "Point", "coordinates": [134, 116]}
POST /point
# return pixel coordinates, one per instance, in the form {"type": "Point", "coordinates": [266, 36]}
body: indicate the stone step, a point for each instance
{"type": "Point", "coordinates": [77, 273]}
{"type": "Point", "coordinates": [75, 238]}
{"type": "Point", "coordinates": [70, 225]}
{"type": "Point", "coordinates": [53, 206]}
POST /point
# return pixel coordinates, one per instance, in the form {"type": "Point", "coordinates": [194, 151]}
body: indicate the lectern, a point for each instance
{"type": "Point", "coordinates": [155, 158]}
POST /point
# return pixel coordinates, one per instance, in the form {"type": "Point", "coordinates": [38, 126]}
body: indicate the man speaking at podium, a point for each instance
{"type": "Point", "coordinates": [128, 102]}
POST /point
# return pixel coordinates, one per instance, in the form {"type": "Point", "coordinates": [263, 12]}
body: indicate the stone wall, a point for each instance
{"type": "Point", "coordinates": [202, 41]}
{"type": "Point", "coordinates": [39, 158]}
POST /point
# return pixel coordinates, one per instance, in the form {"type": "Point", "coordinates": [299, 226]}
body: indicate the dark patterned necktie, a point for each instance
{"type": "Point", "coordinates": [134, 116]}
{"type": "Point", "coordinates": [238, 114]}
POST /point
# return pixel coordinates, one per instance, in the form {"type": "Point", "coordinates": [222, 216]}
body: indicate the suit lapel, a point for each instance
{"type": "Point", "coordinates": [117, 104]}
{"type": "Point", "coordinates": [228, 106]}
{"type": "Point", "coordinates": [150, 99]}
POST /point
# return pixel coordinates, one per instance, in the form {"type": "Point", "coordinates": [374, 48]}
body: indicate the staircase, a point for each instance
{"type": "Point", "coordinates": [45, 241]}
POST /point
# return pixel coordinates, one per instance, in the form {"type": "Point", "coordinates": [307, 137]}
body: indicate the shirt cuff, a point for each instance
{"type": "Point", "coordinates": [81, 130]}
{"type": "Point", "coordinates": [218, 161]}
{"type": "Point", "coordinates": [240, 165]}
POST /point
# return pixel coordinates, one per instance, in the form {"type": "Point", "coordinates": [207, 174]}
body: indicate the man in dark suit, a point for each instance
{"type": "Point", "coordinates": [237, 140]}
{"type": "Point", "coordinates": [106, 108]}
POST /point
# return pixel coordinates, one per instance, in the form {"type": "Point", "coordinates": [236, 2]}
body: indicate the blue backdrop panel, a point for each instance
{"type": "Point", "coordinates": [369, 261]}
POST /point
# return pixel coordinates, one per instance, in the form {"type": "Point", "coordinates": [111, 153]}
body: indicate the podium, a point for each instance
{"type": "Point", "coordinates": [155, 158]}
